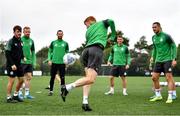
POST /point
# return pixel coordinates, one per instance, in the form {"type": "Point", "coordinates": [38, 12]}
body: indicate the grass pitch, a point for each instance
{"type": "Point", "coordinates": [136, 103]}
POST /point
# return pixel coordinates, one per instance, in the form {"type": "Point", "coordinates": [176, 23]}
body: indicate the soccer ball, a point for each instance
{"type": "Point", "coordinates": [70, 58]}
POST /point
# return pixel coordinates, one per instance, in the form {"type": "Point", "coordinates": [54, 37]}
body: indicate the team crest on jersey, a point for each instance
{"type": "Point", "coordinates": [161, 39]}
{"type": "Point", "coordinates": [11, 73]}
{"type": "Point", "coordinates": [55, 45]}
{"type": "Point", "coordinates": [30, 43]}
{"type": "Point", "coordinates": [115, 49]}
{"type": "Point", "coordinates": [62, 45]}
{"type": "Point", "coordinates": [170, 69]}
{"type": "Point", "coordinates": [122, 49]}
{"type": "Point", "coordinates": [15, 44]}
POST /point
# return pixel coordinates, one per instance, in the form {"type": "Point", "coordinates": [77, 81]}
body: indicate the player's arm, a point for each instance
{"type": "Point", "coordinates": [50, 50]}
{"type": "Point", "coordinates": [153, 54]}
{"type": "Point", "coordinates": [8, 54]}
{"type": "Point", "coordinates": [110, 59]}
{"type": "Point", "coordinates": [173, 49]}
{"type": "Point", "coordinates": [67, 48]}
{"type": "Point", "coordinates": [33, 54]}
{"type": "Point", "coordinates": [128, 58]}
{"type": "Point", "coordinates": [110, 23]}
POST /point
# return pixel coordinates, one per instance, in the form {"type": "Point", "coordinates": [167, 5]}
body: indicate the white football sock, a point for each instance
{"type": "Point", "coordinates": [112, 89]}
{"type": "Point", "coordinates": [124, 90]}
{"type": "Point", "coordinates": [174, 92]}
{"type": "Point", "coordinates": [8, 97]}
{"type": "Point", "coordinates": [85, 99]}
{"type": "Point", "coordinates": [170, 94]}
{"type": "Point", "coordinates": [157, 92]}
{"type": "Point", "coordinates": [26, 91]}
{"type": "Point", "coordinates": [70, 86]}
{"type": "Point", "coordinates": [15, 93]}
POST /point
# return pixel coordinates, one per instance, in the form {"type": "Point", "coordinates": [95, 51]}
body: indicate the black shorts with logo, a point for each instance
{"type": "Point", "coordinates": [165, 67]}
{"type": "Point", "coordinates": [18, 72]}
{"type": "Point", "coordinates": [92, 57]}
{"type": "Point", "coordinates": [118, 70]}
{"type": "Point", "coordinates": [27, 68]}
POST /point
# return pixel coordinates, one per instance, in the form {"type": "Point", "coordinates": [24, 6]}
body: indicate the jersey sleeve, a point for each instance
{"type": "Point", "coordinates": [50, 51]}
{"type": "Point", "coordinates": [110, 59]}
{"type": "Point", "coordinates": [8, 52]}
{"type": "Point", "coordinates": [153, 54]}
{"type": "Point", "coordinates": [128, 56]}
{"type": "Point", "coordinates": [173, 47]}
{"type": "Point", "coordinates": [33, 54]}
{"type": "Point", "coordinates": [67, 48]}
{"type": "Point", "coordinates": [110, 23]}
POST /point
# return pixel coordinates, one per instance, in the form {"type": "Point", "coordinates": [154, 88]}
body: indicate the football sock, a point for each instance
{"type": "Point", "coordinates": [26, 91]}
{"type": "Point", "coordinates": [157, 92]}
{"type": "Point", "coordinates": [70, 86]}
{"type": "Point", "coordinates": [112, 89]}
{"type": "Point", "coordinates": [85, 99]}
{"type": "Point", "coordinates": [170, 94]}
{"type": "Point", "coordinates": [124, 90]}
{"type": "Point", "coordinates": [15, 93]}
{"type": "Point", "coordinates": [174, 92]}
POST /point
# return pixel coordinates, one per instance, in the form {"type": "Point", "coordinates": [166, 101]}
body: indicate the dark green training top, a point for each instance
{"type": "Point", "coordinates": [28, 51]}
{"type": "Point", "coordinates": [97, 33]}
{"type": "Point", "coordinates": [120, 55]}
{"type": "Point", "coordinates": [57, 50]}
{"type": "Point", "coordinates": [164, 48]}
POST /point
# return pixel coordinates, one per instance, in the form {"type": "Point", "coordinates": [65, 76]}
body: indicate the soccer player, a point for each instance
{"type": "Point", "coordinates": [57, 50]}
{"type": "Point", "coordinates": [164, 55]}
{"type": "Point", "coordinates": [29, 64]}
{"type": "Point", "coordinates": [96, 39]}
{"type": "Point", "coordinates": [14, 54]}
{"type": "Point", "coordinates": [57, 77]}
{"type": "Point", "coordinates": [120, 57]}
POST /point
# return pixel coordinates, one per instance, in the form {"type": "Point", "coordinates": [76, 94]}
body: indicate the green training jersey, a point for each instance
{"type": "Point", "coordinates": [57, 50]}
{"type": "Point", "coordinates": [97, 32]}
{"type": "Point", "coordinates": [120, 55]}
{"type": "Point", "coordinates": [28, 51]}
{"type": "Point", "coordinates": [164, 48]}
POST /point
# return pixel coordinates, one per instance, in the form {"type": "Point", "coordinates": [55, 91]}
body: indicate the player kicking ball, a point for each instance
{"type": "Point", "coordinates": [96, 39]}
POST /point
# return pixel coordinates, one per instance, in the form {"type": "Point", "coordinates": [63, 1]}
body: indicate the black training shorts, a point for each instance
{"type": "Point", "coordinates": [92, 57]}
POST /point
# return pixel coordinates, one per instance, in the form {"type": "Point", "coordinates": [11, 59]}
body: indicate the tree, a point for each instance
{"type": "Point", "coordinates": [140, 56]}
{"type": "Point", "coordinates": [42, 55]}
{"type": "Point", "coordinates": [2, 56]}
{"type": "Point", "coordinates": [177, 68]}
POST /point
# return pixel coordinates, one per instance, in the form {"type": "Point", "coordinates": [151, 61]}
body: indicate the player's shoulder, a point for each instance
{"type": "Point", "coordinates": [65, 42]}
{"type": "Point", "coordinates": [10, 41]}
{"type": "Point", "coordinates": [166, 34]}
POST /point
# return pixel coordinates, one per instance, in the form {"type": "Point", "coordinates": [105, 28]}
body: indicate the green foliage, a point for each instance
{"type": "Point", "coordinates": [43, 52]}
{"type": "Point", "coordinates": [177, 68]}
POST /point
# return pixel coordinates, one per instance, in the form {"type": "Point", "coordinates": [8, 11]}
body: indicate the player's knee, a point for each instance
{"type": "Point", "coordinates": [28, 78]}
{"type": "Point", "coordinates": [90, 81]}
{"type": "Point", "coordinates": [154, 78]}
